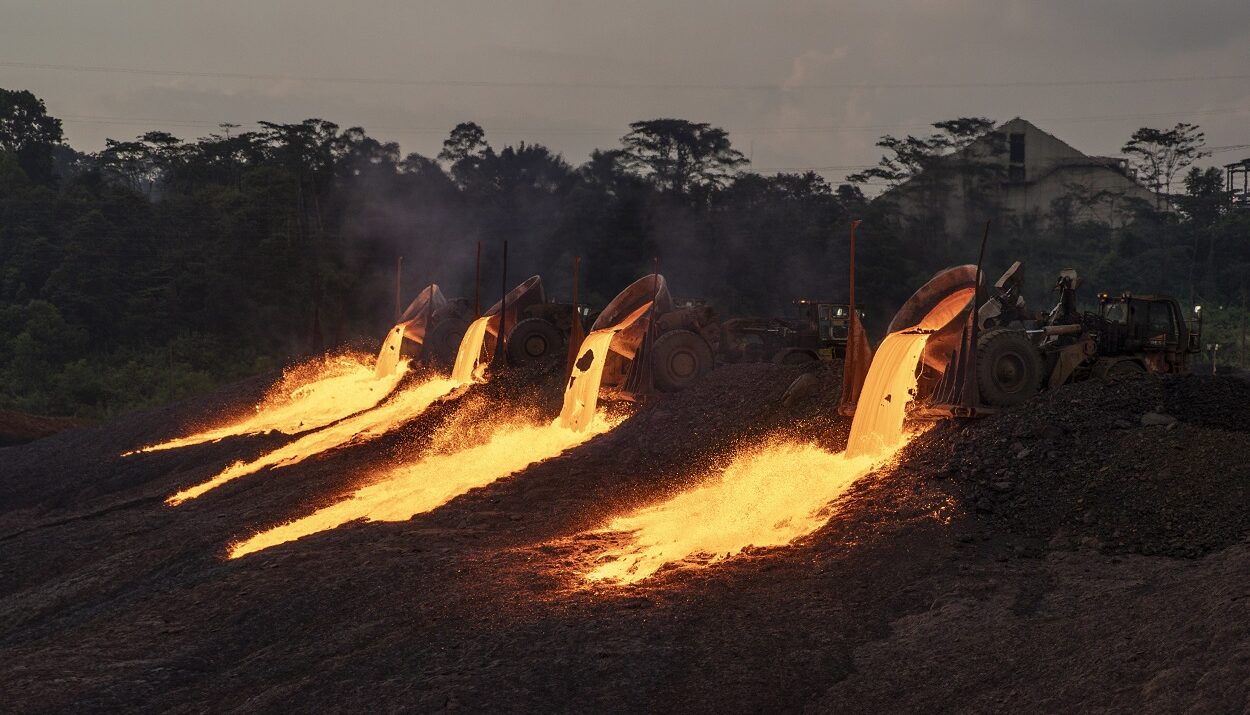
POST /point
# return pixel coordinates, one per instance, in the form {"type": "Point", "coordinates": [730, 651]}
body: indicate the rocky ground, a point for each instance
{"type": "Point", "coordinates": [1085, 552]}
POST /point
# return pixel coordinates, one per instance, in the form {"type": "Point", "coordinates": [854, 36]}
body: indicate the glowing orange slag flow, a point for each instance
{"type": "Point", "coordinates": [581, 397]}
{"type": "Point", "coordinates": [366, 426]}
{"type": "Point", "coordinates": [309, 396]}
{"type": "Point", "coordinates": [469, 355]}
{"type": "Point", "coordinates": [389, 357]}
{"type": "Point", "coordinates": [774, 494]}
{"type": "Point", "coordinates": [946, 309]}
{"type": "Point", "coordinates": [409, 490]}
{"type": "Point", "coordinates": [363, 427]}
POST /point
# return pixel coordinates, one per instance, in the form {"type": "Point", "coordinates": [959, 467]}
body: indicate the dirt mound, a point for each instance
{"type": "Point", "coordinates": [1140, 465]}
{"type": "Point", "coordinates": [733, 404]}
{"type": "Point", "coordinates": [20, 427]}
{"type": "Point", "coordinates": [962, 576]}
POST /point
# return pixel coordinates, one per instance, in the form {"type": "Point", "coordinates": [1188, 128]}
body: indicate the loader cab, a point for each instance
{"type": "Point", "coordinates": [1152, 325]}
{"type": "Point", "coordinates": [829, 322]}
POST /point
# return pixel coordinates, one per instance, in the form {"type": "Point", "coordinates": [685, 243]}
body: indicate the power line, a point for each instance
{"type": "Point", "coordinates": [603, 131]}
{"type": "Point", "coordinates": [581, 85]}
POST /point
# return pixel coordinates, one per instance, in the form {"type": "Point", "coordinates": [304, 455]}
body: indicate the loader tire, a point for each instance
{"type": "Point", "coordinates": [443, 341]}
{"type": "Point", "coordinates": [533, 340]}
{"type": "Point", "coordinates": [1008, 368]}
{"type": "Point", "coordinates": [679, 358]}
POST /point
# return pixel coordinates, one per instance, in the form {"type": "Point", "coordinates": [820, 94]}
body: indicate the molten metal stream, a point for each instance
{"type": "Point", "coordinates": [470, 352]}
{"type": "Point", "coordinates": [581, 397]}
{"type": "Point", "coordinates": [414, 489]}
{"type": "Point", "coordinates": [308, 397]}
{"type": "Point", "coordinates": [775, 494]}
{"type": "Point", "coordinates": [389, 355]}
{"type": "Point", "coordinates": [877, 430]}
{"type": "Point", "coordinates": [409, 490]}
{"type": "Point", "coordinates": [363, 427]}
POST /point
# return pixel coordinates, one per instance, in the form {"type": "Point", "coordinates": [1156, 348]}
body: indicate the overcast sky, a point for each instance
{"type": "Point", "coordinates": [799, 83]}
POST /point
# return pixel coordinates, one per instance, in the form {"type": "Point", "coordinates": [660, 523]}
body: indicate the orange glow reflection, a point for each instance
{"type": "Point", "coordinates": [309, 396]}
{"type": "Point", "coordinates": [409, 490]}
{"type": "Point", "coordinates": [363, 427]}
{"type": "Point", "coordinates": [772, 495]}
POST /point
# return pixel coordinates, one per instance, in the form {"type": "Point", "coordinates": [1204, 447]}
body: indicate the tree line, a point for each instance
{"type": "Point", "coordinates": [160, 266]}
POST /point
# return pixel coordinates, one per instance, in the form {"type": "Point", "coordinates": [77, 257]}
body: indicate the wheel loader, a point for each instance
{"type": "Point", "coordinates": [818, 332]}
{"type": "Point", "coordinates": [534, 329]}
{"type": "Point", "coordinates": [1018, 352]}
{"type": "Point", "coordinates": [432, 326]}
{"type": "Point", "coordinates": [666, 349]}
{"type": "Point", "coordinates": [542, 331]}
{"type": "Point", "coordinates": [427, 332]}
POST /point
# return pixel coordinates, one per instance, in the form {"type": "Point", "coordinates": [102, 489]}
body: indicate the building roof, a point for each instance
{"type": "Point", "coordinates": [1074, 157]}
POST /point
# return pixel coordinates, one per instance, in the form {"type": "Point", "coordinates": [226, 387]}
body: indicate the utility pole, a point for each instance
{"type": "Point", "coordinates": [498, 357]}
{"type": "Point", "coordinates": [971, 395]}
{"type": "Point", "coordinates": [850, 333]}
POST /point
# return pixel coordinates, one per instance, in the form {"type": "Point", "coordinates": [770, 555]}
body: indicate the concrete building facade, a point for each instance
{"type": "Point", "coordinates": [1020, 172]}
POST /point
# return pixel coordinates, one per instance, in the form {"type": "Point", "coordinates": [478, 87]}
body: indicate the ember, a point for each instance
{"type": "Point", "coordinates": [361, 428]}
{"type": "Point", "coordinates": [308, 397]}
{"type": "Point", "coordinates": [409, 490]}
{"type": "Point", "coordinates": [772, 495]}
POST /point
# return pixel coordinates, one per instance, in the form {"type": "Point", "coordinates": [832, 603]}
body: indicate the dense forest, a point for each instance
{"type": "Point", "coordinates": [160, 266]}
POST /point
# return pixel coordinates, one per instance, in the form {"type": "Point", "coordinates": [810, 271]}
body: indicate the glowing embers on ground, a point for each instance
{"type": "Point", "coordinates": [768, 496]}
{"type": "Point", "coordinates": [405, 405]}
{"type": "Point", "coordinates": [309, 396]}
{"type": "Point", "coordinates": [772, 495]}
{"type": "Point", "coordinates": [409, 490]}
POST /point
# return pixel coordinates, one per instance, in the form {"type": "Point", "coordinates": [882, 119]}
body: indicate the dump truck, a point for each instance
{"type": "Point", "coordinates": [818, 332]}
{"type": "Point", "coordinates": [1019, 352]}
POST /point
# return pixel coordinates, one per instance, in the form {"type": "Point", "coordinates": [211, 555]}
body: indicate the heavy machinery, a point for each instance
{"type": "Point", "coordinates": [542, 331]}
{"type": "Point", "coordinates": [1018, 352]}
{"type": "Point", "coordinates": [818, 332]}
{"type": "Point", "coordinates": [673, 344]}
{"type": "Point", "coordinates": [428, 331]}
{"type": "Point", "coordinates": [666, 348]}
{"type": "Point", "coordinates": [432, 326]}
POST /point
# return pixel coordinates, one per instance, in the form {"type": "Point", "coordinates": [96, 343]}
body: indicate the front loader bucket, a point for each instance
{"type": "Point", "coordinates": [944, 308]}
{"type": "Point", "coordinates": [649, 288]}
{"type": "Point", "coordinates": [407, 338]}
{"type": "Point", "coordinates": [627, 372]}
{"type": "Point", "coordinates": [937, 302]}
{"type": "Point", "coordinates": [936, 307]}
{"type": "Point", "coordinates": [510, 309]}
